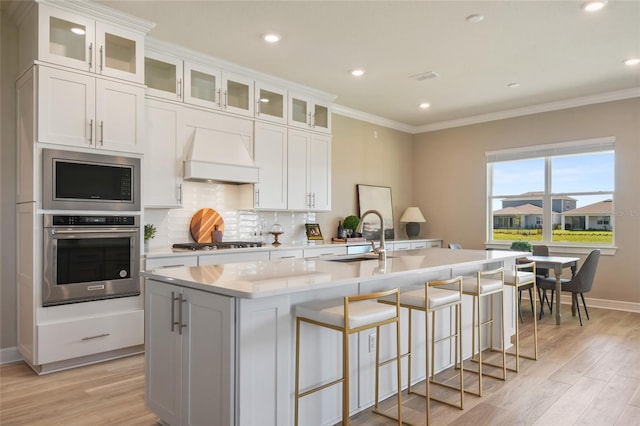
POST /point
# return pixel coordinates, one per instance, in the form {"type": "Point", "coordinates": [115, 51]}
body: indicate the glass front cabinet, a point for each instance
{"type": "Point", "coordinates": [85, 44]}
{"type": "Point", "coordinates": [307, 113]}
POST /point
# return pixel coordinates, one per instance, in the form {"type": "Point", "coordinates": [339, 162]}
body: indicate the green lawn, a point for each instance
{"type": "Point", "coordinates": [590, 237]}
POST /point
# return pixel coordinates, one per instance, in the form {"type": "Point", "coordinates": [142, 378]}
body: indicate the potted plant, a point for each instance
{"type": "Point", "coordinates": [351, 223]}
{"type": "Point", "coordinates": [522, 246]}
{"type": "Point", "coordinates": [149, 232]}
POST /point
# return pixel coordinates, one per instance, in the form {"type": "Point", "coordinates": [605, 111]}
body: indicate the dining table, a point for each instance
{"type": "Point", "coordinates": [557, 264]}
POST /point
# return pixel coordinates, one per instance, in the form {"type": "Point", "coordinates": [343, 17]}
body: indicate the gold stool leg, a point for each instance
{"type": "Point", "coordinates": [297, 390]}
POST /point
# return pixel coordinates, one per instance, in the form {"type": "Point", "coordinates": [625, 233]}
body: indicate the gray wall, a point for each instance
{"type": "Point", "coordinates": [453, 168]}
{"type": "Point", "coordinates": [8, 71]}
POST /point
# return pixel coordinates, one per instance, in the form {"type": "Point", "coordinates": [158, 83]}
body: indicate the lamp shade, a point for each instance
{"type": "Point", "coordinates": [412, 214]}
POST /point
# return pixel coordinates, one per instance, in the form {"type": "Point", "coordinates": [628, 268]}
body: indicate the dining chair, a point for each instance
{"type": "Point", "coordinates": [538, 250]}
{"type": "Point", "coordinates": [581, 283]}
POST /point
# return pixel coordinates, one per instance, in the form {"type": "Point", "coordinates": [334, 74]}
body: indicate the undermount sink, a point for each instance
{"type": "Point", "coordinates": [356, 258]}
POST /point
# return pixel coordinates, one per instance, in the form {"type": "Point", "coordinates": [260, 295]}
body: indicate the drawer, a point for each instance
{"type": "Point", "coordinates": [286, 254]}
{"type": "Point", "coordinates": [87, 336]}
{"type": "Point", "coordinates": [169, 262]}
{"type": "Point", "coordinates": [324, 251]}
{"type": "Point", "coordinates": [216, 259]}
{"type": "Point", "coordinates": [401, 246]}
{"type": "Point", "coordinates": [419, 245]}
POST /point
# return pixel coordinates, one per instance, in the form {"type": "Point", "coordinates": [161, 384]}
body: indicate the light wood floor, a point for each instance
{"type": "Point", "coordinates": [584, 376]}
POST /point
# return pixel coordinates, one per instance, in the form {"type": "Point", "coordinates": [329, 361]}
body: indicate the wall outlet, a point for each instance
{"type": "Point", "coordinates": [372, 342]}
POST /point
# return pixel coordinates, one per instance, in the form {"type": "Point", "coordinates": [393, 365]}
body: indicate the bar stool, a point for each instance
{"type": "Point", "coordinates": [523, 274]}
{"type": "Point", "coordinates": [482, 285]}
{"type": "Point", "coordinates": [350, 315]}
{"type": "Point", "coordinates": [438, 299]}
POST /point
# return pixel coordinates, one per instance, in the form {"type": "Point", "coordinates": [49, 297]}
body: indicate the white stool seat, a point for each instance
{"type": "Point", "coordinates": [523, 277]}
{"type": "Point", "coordinates": [360, 313]}
{"type": "Point", "coordinates": [487, 285]}
{"type": "Point", "coordinates": [437, 297]}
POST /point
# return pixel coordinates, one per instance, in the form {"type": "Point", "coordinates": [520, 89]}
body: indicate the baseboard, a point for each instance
{"type": "Point", "coordinates": [9, 355]}
{"type": "Point", "coordinates": [614, 305]}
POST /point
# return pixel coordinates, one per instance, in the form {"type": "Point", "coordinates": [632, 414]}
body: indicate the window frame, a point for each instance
{"type": "Point", "coordinates": [547, 152]}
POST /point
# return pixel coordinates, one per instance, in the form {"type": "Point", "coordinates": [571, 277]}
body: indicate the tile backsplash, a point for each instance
{"type": "Point", "coordinates": [239, 225]}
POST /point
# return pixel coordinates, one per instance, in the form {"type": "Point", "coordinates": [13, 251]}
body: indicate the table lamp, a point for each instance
{"type": "Point", "coordinates": [412, 215]}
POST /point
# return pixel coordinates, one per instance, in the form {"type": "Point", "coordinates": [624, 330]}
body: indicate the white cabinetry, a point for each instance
{"type": "Point", "coordinates": [80, 42]}
{"type": "Point", "coordinates": [189, 357]}
{"type": "Point", "coordinates": [80, 110]}
{"type": "Point", "coordinates": [170, 262]}
{"type": "Point", "coordinates": [270, 155]}
{"type": "Point", "coordinates": [170, 77]}
{"type": "Point", "coordinates": [309, 166]}
{"type": "Point", "coordinates": [308, 113]}
{"type": "Point", "coordinates": [271, 103]}
{"type": "Point", "coordinates": [162, 173]}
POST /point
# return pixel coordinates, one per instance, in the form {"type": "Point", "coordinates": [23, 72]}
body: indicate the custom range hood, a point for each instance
{"type": "Point", "coordinates": [220, 156]}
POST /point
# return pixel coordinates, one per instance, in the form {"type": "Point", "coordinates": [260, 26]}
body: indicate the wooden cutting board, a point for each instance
{"type": "Point", "coordinates": [203, 223]}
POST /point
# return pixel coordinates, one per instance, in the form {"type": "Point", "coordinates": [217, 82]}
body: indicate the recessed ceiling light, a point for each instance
{"type": "Point", "coordinates": [78, 31]}
{"type": "Point", "coordinates": [475, 18]}
{"type": "Point", "coordinates": [272, 38]}
{"type": "Point", "coordinates": [512, 85]}
{"type": "Point", "coordinates": [632, 61]}
{"type": "Point", "coordinates": [357, 73]}
{"type": "Point", "coordinates": [425, 105]}
{"type": "Point", "coordinates": [593, 6]}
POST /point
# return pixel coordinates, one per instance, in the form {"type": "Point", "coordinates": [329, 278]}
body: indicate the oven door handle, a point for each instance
{"type": "Point", "coordinates": [93, 231]}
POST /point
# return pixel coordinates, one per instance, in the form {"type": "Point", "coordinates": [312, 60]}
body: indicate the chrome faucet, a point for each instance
{"type": "Point", "coordinates": [380, 250]}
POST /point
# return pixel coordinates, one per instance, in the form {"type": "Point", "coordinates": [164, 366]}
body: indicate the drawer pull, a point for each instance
{"type": "Point", "coordinates": [170, 266]}
{"type": "Point", "coordinates": [96, 337]}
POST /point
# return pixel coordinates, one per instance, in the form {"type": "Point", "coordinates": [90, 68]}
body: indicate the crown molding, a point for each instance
{"type": "Point", "coordinates": [493, 116]}
{"type": "Point", "coordinates": [373, 119]}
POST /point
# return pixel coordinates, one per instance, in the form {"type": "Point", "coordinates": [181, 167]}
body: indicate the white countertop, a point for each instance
{"type": "Point", "coordinates": [285, 276]}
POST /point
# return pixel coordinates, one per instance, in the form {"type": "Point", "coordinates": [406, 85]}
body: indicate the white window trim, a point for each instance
{"type": "Point", "coordinates": [575, 147]}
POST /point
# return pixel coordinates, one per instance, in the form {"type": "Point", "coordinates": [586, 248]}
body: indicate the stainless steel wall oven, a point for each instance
{"type": "Point", "coordinates": [90, 258]}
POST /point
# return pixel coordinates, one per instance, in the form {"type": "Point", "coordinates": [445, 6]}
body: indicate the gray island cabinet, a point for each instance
{"type": "Point", "coordinates": [220, 339]}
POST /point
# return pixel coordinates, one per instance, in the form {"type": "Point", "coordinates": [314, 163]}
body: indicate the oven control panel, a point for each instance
{"type": "Point", "coordinates": [92, 220]}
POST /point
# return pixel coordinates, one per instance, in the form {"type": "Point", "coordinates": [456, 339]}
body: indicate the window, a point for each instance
{"type": "Point", "coordinates": [556, 193]}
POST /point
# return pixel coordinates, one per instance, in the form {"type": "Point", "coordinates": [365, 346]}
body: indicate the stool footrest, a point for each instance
{"type": "Point", "coordinates": [380, 413]}
{"type": "Point", "coordinates": [319, 388]}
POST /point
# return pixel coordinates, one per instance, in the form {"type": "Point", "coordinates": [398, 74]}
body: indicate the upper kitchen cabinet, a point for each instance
{"type": "Point", "coordinates": [83, 111]}
{"type": "Point", "coordinates": [308, 113]}
{"type": "Point", "coordinates": [162, 172]}
{"type": "Point", "coordinates": [171, 76]}
{"type": "Point", "coordinates": [271, 103]}
{"type": "Point", "coordinates": [87, 38]}
{"type": "Point", "coordinates": [309, 171]}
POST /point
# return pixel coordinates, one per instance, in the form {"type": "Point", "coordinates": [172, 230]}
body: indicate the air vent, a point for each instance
{"type": "Point", "coordinates": [425, 76]}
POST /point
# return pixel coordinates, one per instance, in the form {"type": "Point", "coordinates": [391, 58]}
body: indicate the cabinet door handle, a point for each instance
{"type": "Point", "coordinates": [84, 339]}
{"type": "Point", "coordinates": [180, 193]}
{"type": "Point", "coordinates": [90, 56]}
{"type": "Point", "coordinates": [91, 132]}
{"type": "Point", "coordinates": [173, 310]}
{"type": "Point", "coordinates": [179, 89]}
{"type": "Point", "coordinates": [101, 58]}
{"type": "Point", "coordinates": [101, 133]}
{"type": "Point", "coordinates": [257, 200]}
{"type": "Point", "coordinates": [309, 120]}
{"type": "Point", "coordinates": [313, 120]}
{"type": "Point", "coordinates": [219, 98]}
{"type": "Point", "coordinates": [225, 99]}
{"type": "Point", "coordinates": [258, 107]}
{"type": "Point", "coordinates": [180, 324]}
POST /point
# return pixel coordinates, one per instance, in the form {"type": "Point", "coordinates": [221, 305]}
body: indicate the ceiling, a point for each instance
{"type": "Point", "coordinates": [554, 50]}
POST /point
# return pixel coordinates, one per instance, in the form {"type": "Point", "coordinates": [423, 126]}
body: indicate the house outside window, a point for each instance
{"type": "Point", "coordinates": [553, 194]}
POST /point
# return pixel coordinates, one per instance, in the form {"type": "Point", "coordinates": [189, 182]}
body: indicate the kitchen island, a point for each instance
{"type": "Point", "coordinates": [220, 338]}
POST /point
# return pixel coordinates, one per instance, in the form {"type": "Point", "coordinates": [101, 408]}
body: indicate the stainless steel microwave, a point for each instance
{"type": "Point", "coordinates": [74, 180]}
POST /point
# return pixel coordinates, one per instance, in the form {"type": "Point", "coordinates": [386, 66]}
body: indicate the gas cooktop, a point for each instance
{"type": "Point", "coordinates": [217, 246]}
